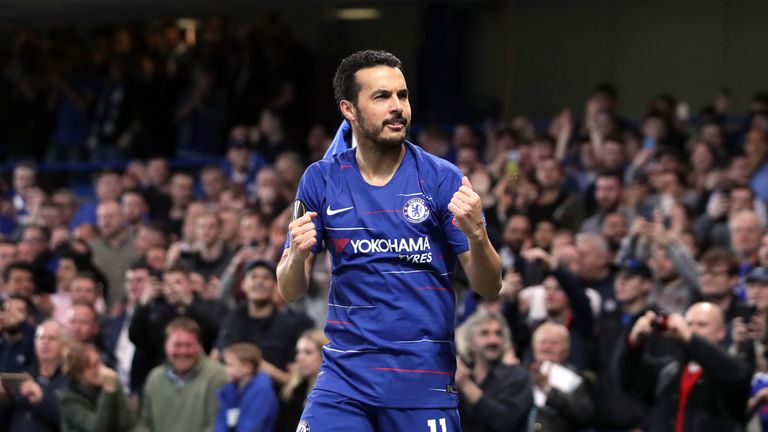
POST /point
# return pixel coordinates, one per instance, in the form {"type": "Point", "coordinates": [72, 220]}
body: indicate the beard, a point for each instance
{"type": "Point", "coordinates": [372, 132]}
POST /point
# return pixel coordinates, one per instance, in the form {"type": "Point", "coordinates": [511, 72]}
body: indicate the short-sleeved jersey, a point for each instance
{"type": "Point", "coordinates": [391, 300]}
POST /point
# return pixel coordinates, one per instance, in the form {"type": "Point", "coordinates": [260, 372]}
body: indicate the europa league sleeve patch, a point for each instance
{"type": "Point", "coordinates": [299, 209]}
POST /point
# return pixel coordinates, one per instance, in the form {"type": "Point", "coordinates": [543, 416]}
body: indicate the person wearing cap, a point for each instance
{"type": "Point", "coordinates": [261, 322]}
{"type": "Point", "coordinates": [614, 409]}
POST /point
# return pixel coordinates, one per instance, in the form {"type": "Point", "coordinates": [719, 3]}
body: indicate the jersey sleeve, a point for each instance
{"type": "Point", "coordinates": [311, 193]}
{"type": "Point", "coordinates": [448, 186]}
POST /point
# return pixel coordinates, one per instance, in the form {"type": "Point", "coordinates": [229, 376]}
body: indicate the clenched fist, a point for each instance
{"type": "Point", "coordinates": [303, 236]}
{"type": "Point", "coordinates": [468, 211]}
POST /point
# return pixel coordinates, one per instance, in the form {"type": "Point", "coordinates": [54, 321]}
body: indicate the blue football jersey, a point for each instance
{"type": "Point", "coordinates": [391, 301]}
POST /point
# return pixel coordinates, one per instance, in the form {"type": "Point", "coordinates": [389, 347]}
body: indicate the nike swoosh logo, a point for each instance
{"type": "Point", "coordinates": [332, 212]}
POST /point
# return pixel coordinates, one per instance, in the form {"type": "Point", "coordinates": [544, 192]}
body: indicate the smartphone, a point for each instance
{"type": "Point", "coordinates": [12, 381]}
{"type": "Point", "coordinates": [513, 164]}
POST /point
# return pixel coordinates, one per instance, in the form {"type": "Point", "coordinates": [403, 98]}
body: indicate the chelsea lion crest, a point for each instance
{"type": "Point", "coordinates": [416, 210]}
{"type": "Point", "coordinates": [303, 427]}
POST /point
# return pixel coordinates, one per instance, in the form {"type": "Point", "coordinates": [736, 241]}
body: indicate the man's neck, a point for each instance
{"type": "Point", "coordinates": [48, 367]}
{"type": "Point", "coordinates": [260, 310]}
{"type": "Point", "coordinates": [378, 164]}
{"type": "Point", "coordinates": [636, 306]}
{"type": "Point", "coordinates": [549, 195]}
{"type": "Point", "coordinates": [723, 301]}
{"type": "Point", "coordinates": [117, 238]}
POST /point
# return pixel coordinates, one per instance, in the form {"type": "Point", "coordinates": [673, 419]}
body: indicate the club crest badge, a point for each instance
{"type": "Point", "coordinates": [416, 210]}
{"type": "Point", "coordinates": [303, 427]}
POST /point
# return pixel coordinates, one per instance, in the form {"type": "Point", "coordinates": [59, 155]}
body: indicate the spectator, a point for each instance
{"type": "Point", "coordinates": [87, 289]}
{"type": "Point", "coordinates": [186, 384]}
{"type": "Point", "coordinates": [552, 201]}
{"type": "Point", "coordinates": [9, 253]}
{"type": "Point", "coordinates": [115, 336]}
{"type": "Point", "coordinates": [756, 150]}
{"type": "Point", "coordinates": [594, 257]}
{"type": "Point", "coordinates": [24, 179]}
{"type": "Point", "coordinates": [33, 249]}
{"type": "Point", "coordinates": [249, 393]}
{"type": "Point", "coordinates": [494, 396]}
{"type": "Point", "coordinates": [214, 181]}
{"type": "Point", "coordinates": [114, 251]}
{"type": "Point", "coordinates": [609, 194]}
{"type": "Point", "coordinates": [182, 193]}
{"type": "Point", "coordinates": [745, 230]}
{"type": "Point", "coordinates": [293, 395]}
{"type": "Point", "coordinates": [17, 343]}
{"type": "Point", "coordinates": [34, 407]}
{"type": "Point", "coordinates": [559, 404]}
{"type": "Point", "coordinates": [566, 302]}
{"type": "Point", "coordinates": [614, 409]}
{"type": "Point", "coordinates": [516, 231]}
{"type": "Point", "coordinates": [261, 323]}
{"type": "Point", "coordinates": [108, 188]}
{"type": "Point", "coordinates": [711, 228]}
{"type": "Point", "coordinates": [135, 209]}
{"type": "Point", "coordinates": [717, 282]}
{"type": "Point", "coordinates": [93, 400]}
{"type": "Point", "coordinates": [209, 255]}
{"type": "Point", "coordinates": [696, 387]}
{"type": "Point", "coordinates": [84, 328]}
{"type": "Point", "coordinates": [159, 306]}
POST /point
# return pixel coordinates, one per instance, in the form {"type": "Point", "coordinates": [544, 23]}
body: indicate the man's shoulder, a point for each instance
{"type": "Point", "coordinates": [511, 373]}
{"type": "Point", "coordinates": [433, 161]}
{"type": "Point", "coordinates": [155, 375]}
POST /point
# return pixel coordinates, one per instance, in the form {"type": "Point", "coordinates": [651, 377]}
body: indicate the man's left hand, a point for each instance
{"type": "Point", "coordinates": [468, 211]}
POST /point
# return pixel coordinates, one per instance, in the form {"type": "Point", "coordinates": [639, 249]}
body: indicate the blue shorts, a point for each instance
{"type": "Point", "coordinates": [331, 412]}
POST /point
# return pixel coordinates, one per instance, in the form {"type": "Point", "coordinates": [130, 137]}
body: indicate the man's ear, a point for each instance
{"type": "Point", "coordinates": [348, 110]}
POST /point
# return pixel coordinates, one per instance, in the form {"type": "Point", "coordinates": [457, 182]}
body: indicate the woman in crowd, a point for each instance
{"type": "Point", "coordinates": [93, 400]}
{"type": "Point", "coordinates": [293, 396]}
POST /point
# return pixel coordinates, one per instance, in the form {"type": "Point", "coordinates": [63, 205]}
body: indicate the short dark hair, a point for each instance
{"type": "Point", "coordinates": [612, 174]}
{"type": "Point", "coordinates": [18, 265]}
{"type": "Point", "coordinates": [717, 256]}
{"type": "Point", "coordinates": [345, 86]}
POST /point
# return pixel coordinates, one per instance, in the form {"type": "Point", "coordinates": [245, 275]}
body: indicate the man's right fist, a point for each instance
{"type": "Point", "coordinates": [303, 235]}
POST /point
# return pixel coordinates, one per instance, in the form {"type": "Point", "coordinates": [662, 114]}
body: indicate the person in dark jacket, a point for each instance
{"type": "Point", "coordinates": [560, 395]}
{"type": "Point", "coordinates": [614, 408]}
{"type": "Point", "coordinates": [700, 387]}
{"type": "Point", "coordinates": [247, 402]}
{"type": "Point", "coordinates": [160, 305]}
{"type": "Point", "coordinates": [93, 399]}
{"type": "Point", "coordinates": [493, 396]}
{"type": "Point", "coordinates": [33, 406]}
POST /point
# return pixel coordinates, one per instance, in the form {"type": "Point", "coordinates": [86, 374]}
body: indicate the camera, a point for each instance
{"type": "Point", "coordinates": [659, 324]}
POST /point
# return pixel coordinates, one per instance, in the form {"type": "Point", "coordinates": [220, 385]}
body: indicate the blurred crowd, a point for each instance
{"type": "Point", "coordinates": [634, 252]}
{"type": "Point", "coordinates": [173, 88]}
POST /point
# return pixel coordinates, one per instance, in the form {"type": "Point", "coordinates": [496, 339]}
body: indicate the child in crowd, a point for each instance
{"type": "Point", "coordinates": [248, 401]}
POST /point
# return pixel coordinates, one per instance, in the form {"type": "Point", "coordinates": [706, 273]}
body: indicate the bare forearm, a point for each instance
{"type": "Point", "coordinates": [484, 268]}
{"type": "Point", "coordinates": [291, 277]}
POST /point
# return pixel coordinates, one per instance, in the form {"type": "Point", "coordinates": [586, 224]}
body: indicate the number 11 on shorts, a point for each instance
{"type": "Point", "coordinates": [432, 424]}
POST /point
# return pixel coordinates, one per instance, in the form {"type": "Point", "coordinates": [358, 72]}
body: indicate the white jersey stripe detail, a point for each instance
{"type": "Point", "coordinates": [350, 229]}
{"type": "Point", "coordinates": [423, 340]}
{"type": "Point", "coordinates": [411, 194]}
{"type": "Point", "coordinates": [351, 307]}
{"type": "Point", "coordinates": [347, 351]}
{"type": "Point", "coordinates": [416, 271]}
